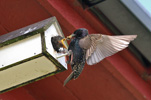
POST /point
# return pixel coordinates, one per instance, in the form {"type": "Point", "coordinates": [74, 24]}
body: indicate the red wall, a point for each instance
{"type": "Point", "coordinates": [115, 78]}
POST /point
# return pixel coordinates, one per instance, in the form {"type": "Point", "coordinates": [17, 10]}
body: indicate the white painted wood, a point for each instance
{"type": "Point", "coordinates": [50, 32]}
{"type": "Point", "coordinates": [25, 72]}
{"type": "Point", "coordinates": [139, 12]}
{"type": "Point", "coordinates": [53, 30]}
{"type": "Point", "coordinates": [25, 49]}
{"type": "Point", "coordinates": [20, 50]}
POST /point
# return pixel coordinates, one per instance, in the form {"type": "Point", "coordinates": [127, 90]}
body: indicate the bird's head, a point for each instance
{"type": "Point", "coordinates": [79, 33]}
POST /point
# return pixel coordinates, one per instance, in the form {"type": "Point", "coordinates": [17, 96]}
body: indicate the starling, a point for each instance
{"type": "Point", "coordinates": [92, 48]}
{"type": "Point", "coordinates": [57, 43]}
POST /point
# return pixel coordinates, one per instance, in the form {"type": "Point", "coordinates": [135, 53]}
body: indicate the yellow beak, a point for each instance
{"type": "Point", "coordinates": [62, 42]}
{"type": "Point", "coordinates": [68, 38]}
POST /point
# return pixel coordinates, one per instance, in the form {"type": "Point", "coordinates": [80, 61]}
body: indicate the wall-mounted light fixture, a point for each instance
{"type": "Point", "coordinates": [27, 55]}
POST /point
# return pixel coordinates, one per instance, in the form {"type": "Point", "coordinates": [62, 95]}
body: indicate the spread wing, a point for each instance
{"type": "Point", "coordinates": [104, 45]}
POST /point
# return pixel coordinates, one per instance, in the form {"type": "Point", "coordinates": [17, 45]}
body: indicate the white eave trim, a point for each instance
{"type": "Point", "coordinates": [139, 12]}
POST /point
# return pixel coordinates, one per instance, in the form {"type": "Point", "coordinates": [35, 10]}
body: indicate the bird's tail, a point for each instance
{"type": "Point", "coordinates": [70, 77]}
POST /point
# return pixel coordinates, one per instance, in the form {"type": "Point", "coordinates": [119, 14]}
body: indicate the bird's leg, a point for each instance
{"type": "Point", "coordinates": [70, 61]}
{"type": "Point", "coordinates": [70, 53]}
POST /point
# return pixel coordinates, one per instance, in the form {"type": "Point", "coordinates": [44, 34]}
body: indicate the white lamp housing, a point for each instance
{"type": "Point", "coordinates": [27, 55]}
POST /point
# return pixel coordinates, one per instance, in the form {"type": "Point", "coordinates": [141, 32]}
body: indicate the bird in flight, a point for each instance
{"type": "Point", "coordinates": [92, 48]}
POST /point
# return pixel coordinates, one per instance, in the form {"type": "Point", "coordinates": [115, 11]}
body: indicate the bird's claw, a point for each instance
{"type": "Point", "coordinates": [69, 52]}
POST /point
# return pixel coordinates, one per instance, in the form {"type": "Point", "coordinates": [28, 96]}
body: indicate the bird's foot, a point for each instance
{"type": "Point", "coordinates": [70, 52]}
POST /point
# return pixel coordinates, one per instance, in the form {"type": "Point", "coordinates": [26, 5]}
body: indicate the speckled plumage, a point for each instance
{"type": "Point", "coordinates": [77, 58]}
{"type": "Point", "coordinates": [92, 48]}
{"type": "Point", "coordinates": [78, 61]}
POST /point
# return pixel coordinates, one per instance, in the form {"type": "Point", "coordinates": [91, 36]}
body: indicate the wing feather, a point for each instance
{"type": "Point", "coordinates": [106, 46]}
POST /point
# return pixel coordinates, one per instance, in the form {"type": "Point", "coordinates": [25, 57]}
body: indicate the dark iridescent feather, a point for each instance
{"type": "Point", "coordinates": [93, 48]}
{"type": "Point", "coordinates": [77, 61]}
